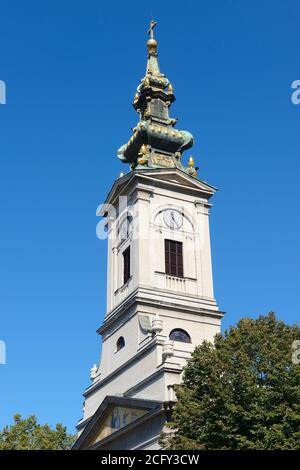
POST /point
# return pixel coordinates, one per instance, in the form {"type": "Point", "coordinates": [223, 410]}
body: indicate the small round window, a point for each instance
{"type": "Point", "coordinates": [180, 335]}
{"type": "Point", "coordinates": [120, 343]}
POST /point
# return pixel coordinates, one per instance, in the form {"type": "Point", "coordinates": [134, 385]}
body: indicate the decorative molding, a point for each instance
{"type": "Point", "coordinates": [91, 428]}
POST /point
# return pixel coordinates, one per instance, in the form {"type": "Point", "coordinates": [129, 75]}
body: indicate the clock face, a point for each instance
{"type": "Point", "coordinates": [125, 229]}
{"type": "Point", "coordinates": [173, 219]}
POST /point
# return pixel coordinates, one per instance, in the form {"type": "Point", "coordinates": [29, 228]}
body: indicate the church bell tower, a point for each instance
{"type": "Point", "coordinates": [160, 299]}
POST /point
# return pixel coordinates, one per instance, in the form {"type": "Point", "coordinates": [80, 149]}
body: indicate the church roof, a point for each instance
{"type": "Point", "coordinates": [155, 139]}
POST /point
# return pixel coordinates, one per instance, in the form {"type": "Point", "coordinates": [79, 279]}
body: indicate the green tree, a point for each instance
{"type": "Point", "coordinates": [242, 392]}
{"type": "Point", "coordinates": [27, 434]}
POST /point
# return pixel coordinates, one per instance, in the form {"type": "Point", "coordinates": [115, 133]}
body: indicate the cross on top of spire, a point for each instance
{"type": "Point", "coordinates": [151, 28]}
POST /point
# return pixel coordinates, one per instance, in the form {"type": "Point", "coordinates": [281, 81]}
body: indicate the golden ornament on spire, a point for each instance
{"type": "Point", "coordinates": [191, 162]}
{"type": "Point", "coordinates": [192, 170]}
{"type": "Point", "coordinates": [152, 43]}
{"type": "Point", "coordinates": [143, 155]}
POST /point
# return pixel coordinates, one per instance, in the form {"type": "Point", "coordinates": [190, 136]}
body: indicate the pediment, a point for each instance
{"type": "Point", "coordinates": [169, 176]}
{"type": "Point", "coordinates": [179, 177]}
{"type": "Point", "coordinates": [117, 418]}
{"type": "Point", "coordinates": [114, 414]}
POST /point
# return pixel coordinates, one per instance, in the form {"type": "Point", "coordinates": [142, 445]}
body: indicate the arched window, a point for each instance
{"type": "Point", "coordinates": [180, 335]}
{"type": "Point", "coordinates": [120, 343]}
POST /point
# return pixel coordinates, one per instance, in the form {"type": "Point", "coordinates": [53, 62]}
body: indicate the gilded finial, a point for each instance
{"type": "Point", "coordinates": [192, 170]}
{"type": "Point", "coordinates": [191, 162]}
{"type": "Point", "coordinates": [143, 155]}
{"type": "Point", "coordinates": [121, 174]}
{"type": "Point", "coordinates": [152, 43]}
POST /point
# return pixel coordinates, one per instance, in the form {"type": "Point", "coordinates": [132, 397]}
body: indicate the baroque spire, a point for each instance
{"type": "Point", "coordinates": [155, 142]}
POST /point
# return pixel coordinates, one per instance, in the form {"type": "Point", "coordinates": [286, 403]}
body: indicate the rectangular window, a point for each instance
{"type": "Point", "coordinates": [126, 264]}
{"type": "Point", "coordinates": [173, 258]}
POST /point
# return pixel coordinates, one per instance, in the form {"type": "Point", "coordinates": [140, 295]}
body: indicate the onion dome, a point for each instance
{"type": "Point", "coordinates": [155, 143]}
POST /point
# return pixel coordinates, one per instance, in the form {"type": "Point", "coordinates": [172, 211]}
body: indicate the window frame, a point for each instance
{"type": "Point", "coordinates": [174, 258]}
{"type": "Point", "coordinates": [118, 345]}
{"type": "Point", "coordinates": [181, 330]}
{"type": "Point", "coordinates": [126, 265]}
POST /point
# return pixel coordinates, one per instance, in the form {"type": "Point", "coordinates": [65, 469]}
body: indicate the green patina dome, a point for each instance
{"type": "Point", "coordinates": [155, 142]}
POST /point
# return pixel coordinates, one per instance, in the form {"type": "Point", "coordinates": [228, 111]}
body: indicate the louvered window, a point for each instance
{"type": "Point", "coordinates": [173, 258]}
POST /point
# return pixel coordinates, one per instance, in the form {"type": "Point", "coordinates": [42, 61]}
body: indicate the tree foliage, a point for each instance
{"type": "Point", "coordinates": [27, 434]}
{"type": "Point", "coordinates": [242, 392]}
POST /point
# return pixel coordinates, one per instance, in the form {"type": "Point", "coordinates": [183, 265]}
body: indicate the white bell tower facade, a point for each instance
{"type": "Point", "coordinates": [160, 299]}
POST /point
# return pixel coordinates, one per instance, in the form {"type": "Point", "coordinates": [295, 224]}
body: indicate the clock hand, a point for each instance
{"type": "Point", "coordinates": [174, 220]}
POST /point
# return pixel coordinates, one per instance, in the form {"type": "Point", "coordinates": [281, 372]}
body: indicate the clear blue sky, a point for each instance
{"type": "Point", "coordinates": [71, 70]}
